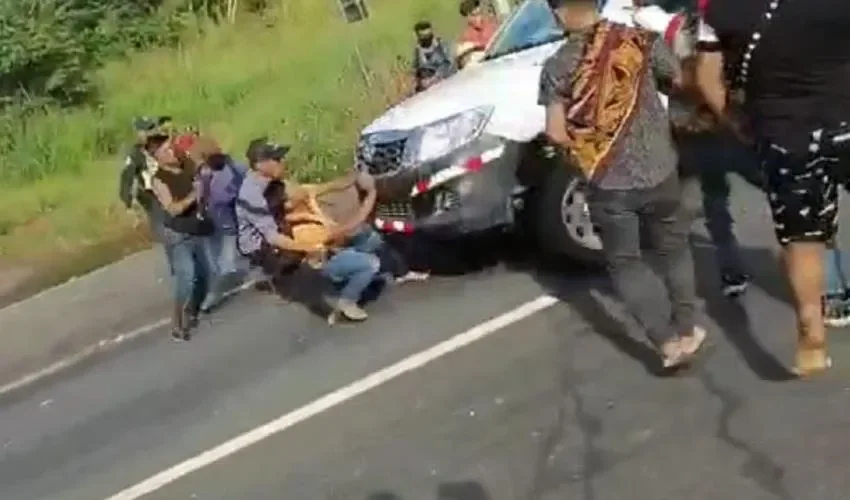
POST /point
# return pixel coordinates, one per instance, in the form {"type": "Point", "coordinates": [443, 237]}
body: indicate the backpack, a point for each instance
{"type": "Point", "coordinates": [220, 203]}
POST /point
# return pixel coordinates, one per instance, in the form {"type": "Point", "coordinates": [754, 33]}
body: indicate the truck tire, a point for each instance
{"type": "Point", "coordinates": [562, 220]}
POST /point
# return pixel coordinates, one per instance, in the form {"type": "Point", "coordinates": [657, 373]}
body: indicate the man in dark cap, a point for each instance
{"type": "Point", "coordinates": [263, 235]}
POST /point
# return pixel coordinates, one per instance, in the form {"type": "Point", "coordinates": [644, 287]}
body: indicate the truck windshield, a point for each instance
{"type": "Point", "coordinates": [531, 25]}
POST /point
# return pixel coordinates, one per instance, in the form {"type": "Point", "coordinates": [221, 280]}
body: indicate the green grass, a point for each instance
{"type": "Point", "coordinates": [294, 75]}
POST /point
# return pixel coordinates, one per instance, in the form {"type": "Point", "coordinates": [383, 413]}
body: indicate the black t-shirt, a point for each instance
{"type": "Point", "coordinates": [799, 77]}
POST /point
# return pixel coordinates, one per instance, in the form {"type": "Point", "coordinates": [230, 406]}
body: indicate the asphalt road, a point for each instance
{"type": "Point", "coordinates": [559, 405]}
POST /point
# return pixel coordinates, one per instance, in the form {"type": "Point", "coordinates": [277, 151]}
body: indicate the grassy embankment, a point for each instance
{"type": "Point", "coordinates": [294, 75]}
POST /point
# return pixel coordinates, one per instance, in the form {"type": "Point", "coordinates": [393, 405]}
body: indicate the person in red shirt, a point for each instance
{"type": "Point", "coordinates": [480, 29]}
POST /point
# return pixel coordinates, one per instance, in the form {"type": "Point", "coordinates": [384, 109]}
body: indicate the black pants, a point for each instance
{"type": "Point", "coordinates": [706, 160]}
{"type": "Point", "coordinates": [663, 314]}
{"type": "Point", "coordinates": [275, 263]}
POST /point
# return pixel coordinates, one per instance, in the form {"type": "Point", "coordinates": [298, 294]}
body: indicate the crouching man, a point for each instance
{"type": "Point", "coordinates": [266, 217]}
{"type": "Point", "coordinates": [263, 235]}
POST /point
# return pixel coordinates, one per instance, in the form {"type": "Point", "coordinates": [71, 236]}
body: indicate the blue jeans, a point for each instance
{"type": "Point", "coordinates": [189, 270]}
{"type": "Point", "coordinates": [709, 159]}
{"type": "Point", "coordinates": [368, 240]}
{"type": "Point", "coordinates": [353, 270]}
{"type": "Point", "coordinates": [222, 255]}
{"type": "Point", "coordinates": [224, 264]}
{"type": "Point", "coordinates": [835, 281]}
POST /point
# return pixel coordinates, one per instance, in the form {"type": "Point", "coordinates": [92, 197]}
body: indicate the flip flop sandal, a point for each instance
{"type": "Point", "coordinates": [811, 359]}
{"type": "Point", "coordinates": [686, 356]}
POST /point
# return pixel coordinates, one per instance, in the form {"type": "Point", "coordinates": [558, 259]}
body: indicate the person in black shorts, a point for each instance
{"type": "Point", "coordinates": [789, 62]}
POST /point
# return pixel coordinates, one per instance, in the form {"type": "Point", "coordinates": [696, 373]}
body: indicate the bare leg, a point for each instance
{"type": "Point", "coordinates": [804, 265]}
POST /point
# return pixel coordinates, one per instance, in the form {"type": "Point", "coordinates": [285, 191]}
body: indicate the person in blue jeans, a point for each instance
{"type": "Point", "coordinates": [218, 180]}
{"type": "Point", "coordinates": [173, 186]}
{"type": "Point", "coordinates": [709, 158]}
{"type": "Point", "coordinates": [836, 296]}
{"type": "Point", "coordinates": [263, 223]}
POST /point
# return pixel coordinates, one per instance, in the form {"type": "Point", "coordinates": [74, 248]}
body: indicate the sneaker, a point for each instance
{"type": "Point", "coordinates": [836, 311]}
{"type": "Point", "coordinates": [351, 311]}
{"type": "Point", "coordinates": [734, 285]}
{"type": "Point", "coordinates": [178, 335]}
{"type": "Point", "coordinates": [412, 276]}
{"type": "Point", "coordinates": [264, 286]}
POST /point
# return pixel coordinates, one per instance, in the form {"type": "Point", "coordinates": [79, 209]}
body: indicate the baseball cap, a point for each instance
{"type": "Point", "coordinates": [262, 149]}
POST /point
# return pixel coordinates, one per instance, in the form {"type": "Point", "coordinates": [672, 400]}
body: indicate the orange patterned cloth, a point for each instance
{"type": "Point", "coordinates": [603, 93]}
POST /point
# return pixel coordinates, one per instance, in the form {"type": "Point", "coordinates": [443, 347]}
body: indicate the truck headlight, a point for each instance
{"type": "Point", "coordinates": [440, 138]}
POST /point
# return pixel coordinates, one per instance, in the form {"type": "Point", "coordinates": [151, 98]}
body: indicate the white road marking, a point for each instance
{"type": "Point", "coordinates": [334, 398]}
{"type": "Point", "coordinates": [101, 346]}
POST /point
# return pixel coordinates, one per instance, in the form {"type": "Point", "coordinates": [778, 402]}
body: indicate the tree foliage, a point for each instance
{"type": "Point", "coordinates": [49, 48]}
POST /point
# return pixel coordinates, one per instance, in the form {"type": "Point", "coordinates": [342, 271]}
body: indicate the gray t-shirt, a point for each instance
{"type": "Point", "coordinates": [645, 155]}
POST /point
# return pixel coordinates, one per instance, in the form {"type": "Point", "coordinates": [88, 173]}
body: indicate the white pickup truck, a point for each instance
{"type": "Point", "coordinates": [469, 153]}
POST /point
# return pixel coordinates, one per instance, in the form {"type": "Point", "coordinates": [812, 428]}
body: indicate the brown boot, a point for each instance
{"type": "Point", "coordinates": [180, 324]}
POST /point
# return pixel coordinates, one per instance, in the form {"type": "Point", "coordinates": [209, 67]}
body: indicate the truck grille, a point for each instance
{"type": "Point", "coordinates": [383, 158]}
{"type": "Point", "coordinates": [421, 206]}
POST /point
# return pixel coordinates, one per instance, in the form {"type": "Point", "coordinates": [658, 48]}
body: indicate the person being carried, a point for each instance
{"type": "Point", "coordinates": [431, 61]}
{"type": "Point", "coordinates": [600, 91]}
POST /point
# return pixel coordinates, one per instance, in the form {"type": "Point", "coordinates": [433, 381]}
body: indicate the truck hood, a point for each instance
{"type": "Point", "coordinates": [508, 84]}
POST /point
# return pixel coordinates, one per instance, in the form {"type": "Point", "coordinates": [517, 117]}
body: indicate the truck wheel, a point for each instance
{"type": "Point", "coordinates": [563, 224]}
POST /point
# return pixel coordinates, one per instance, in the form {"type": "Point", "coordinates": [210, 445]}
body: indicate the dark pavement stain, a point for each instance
{"type": "Point", "coordinates": [759, 467]}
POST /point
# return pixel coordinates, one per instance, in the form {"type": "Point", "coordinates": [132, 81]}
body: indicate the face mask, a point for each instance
{"type": "Point", "coordinates": [425, 41]}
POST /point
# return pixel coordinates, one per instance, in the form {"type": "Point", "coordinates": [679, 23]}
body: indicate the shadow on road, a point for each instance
{"type": "Point", "coordinates": [465, 490]}
{"type": "Point", "coordinates": [582, 289]}
{"type": "Point", "coordinates": [732, 316]}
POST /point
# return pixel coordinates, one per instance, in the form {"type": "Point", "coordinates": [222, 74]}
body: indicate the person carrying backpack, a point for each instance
{"type": "Point", "coordinates": [218, 179]}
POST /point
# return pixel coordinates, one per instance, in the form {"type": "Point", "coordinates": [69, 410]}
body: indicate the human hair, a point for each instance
{"type": "Point", "coordinates": [468, 6]}
{"type": "Point", "coordinates": [422, 26]}
{"type": "Point", "coordinates": [560, 4]}
{"type": "Point", "coordinates": [154, 142]}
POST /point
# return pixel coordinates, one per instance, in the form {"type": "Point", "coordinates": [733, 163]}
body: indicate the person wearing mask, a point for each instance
{"type": "Point", "coordinates": [787, 64]}
{"type": "Point", "coordinates": [218, 180]}
{"type": "Point", "coordinates": [479, 30]}
{"type": "Point", "coordinates": [432, 61]}
{"type": "Point", "coordinates": [184, 226]}
{"type": "Point", "coordinates": [600, 91]}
